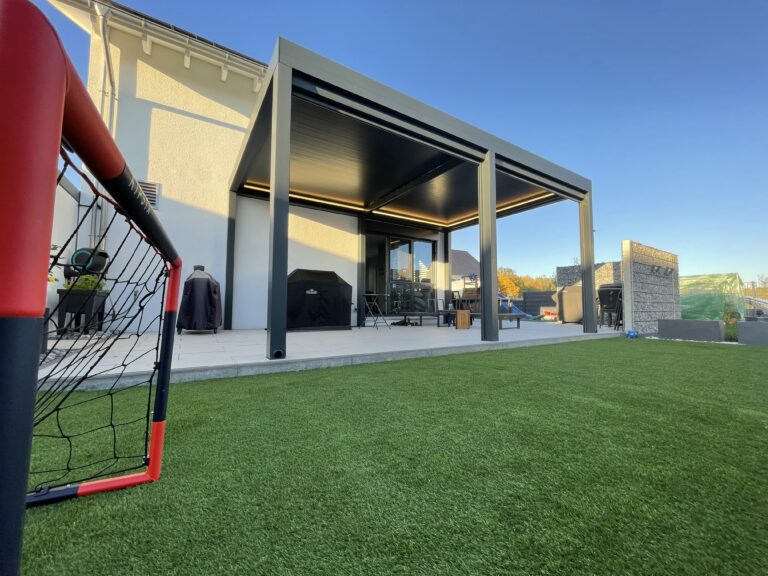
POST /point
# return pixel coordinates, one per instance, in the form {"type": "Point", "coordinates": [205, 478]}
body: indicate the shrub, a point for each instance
{"type": "Point", "coordinates": [87, 283]}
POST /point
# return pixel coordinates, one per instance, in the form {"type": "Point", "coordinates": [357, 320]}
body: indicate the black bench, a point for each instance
{"type": "Point", "coordinates": [449, 314]}
{"type": "Point", "coordinates": [451, 317]}
{"type": "Point", "coordinates": [504, 316]}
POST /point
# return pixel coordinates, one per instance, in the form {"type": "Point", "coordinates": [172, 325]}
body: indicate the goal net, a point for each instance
{"type": "Point", "coordinates": [100, 349]}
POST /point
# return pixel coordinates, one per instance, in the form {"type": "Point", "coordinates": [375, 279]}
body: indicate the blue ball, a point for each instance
{"type": "Point", "coordinates": [631, 334]}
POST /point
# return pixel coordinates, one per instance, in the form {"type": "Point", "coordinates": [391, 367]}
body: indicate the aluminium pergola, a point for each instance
{"type": "Point", "coordinates": [324, 136]}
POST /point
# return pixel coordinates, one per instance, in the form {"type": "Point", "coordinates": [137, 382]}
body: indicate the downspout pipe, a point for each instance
{"type": "Point", "coordinates": [100, 221]}
{"type": "Point", "coordinates": [104, 18]}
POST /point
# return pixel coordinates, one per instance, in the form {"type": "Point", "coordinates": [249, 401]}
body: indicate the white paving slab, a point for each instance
{"type": "Point", "coordinates": [205, 355]}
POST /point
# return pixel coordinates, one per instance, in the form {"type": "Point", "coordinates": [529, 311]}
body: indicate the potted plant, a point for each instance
{"type": "Point", "coordinates": [87, 283]}
{"type": "Point", "coordinates": [85, 295]}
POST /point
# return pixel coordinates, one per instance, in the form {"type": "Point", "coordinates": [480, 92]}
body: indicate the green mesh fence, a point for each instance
{"type": "Point", "coordinates": [711, 296]}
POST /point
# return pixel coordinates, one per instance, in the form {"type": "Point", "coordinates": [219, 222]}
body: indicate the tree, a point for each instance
{"type": "Point", "coordinates": [508, 284]}
{"type": "Point", "coordinates": [513, 285]}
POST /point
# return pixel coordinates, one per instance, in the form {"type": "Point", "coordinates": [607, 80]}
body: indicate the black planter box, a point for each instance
{"type": "Point", "coordinates": [81, 303]}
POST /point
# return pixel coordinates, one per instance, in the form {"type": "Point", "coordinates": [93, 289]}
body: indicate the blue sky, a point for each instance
{"type": "Point", "coordinates": [662, 104]}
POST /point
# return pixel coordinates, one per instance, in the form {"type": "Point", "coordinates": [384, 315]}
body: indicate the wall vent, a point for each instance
{"type": "Point", "coordinates": [151, 191]}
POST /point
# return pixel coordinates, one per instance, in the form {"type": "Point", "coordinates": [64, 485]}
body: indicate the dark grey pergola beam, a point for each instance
{"type": "Point", "coordinates": [423, 178]}
{"type": "Point", "coordinates": [543, 181]}
{"type": "Point", "coordinates": [335, 79]}
{"type": "Point", "coordinates": [280, 182]}
{"type": "Point", "coordinates": [251, 145]}
{"type": "Point", "coordinates": [486, 204]}
{"type": "Point", "coordinates": [509, 212]}
{"type": "Point", "coordinates": [361, 110]}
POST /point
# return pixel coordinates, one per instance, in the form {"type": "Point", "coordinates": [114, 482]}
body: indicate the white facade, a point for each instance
{"type": "Point", "coordinates": [181, 128]}
{"type": "Point", "coordinates": [317, 241]}
{"type": "Point", "coordinates": [178, 111]}
{"type": "Point", "coordinates": [65, 217]}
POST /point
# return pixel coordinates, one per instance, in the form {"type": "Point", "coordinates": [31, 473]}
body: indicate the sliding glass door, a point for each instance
{"type": "Point", "coordinates": [423, 256]}
{"type": "Point", "coordinates": [411, 264]}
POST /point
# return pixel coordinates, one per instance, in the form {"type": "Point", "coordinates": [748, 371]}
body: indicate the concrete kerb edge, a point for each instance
{"type": "Point", "coordinates": [256, 368]}
{"type": "Point", "coordinates": [194, 374]}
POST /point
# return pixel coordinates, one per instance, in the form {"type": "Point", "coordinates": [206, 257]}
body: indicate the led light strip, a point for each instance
{"type": "Point", "coordinates": [505, 208]}
{"type": "Point", "coordinates": [326, 202]}
{"type": "Point", "coordinates": [398, 215]}
{"type": "Point", "coordinates": [305, 198]}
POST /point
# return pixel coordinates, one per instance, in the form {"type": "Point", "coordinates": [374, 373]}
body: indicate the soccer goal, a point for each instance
{"type": "Point", "coordinates": [89, 292]}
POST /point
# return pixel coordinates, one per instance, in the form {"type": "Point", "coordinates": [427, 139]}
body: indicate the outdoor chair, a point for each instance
{"type": "Point", "coordinates": [373, 310]}
{"type": "Point", "coordinates": [609, 299]}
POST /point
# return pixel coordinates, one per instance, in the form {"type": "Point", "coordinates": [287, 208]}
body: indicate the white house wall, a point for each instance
{"type": "Point", "coordinates": [65, 220]}
{"type": "Point", "coordinates": [181, 128]}
{"type": "Point", "coordinates": [251, 264]}
{"type": "Point", "coordinates": [64, 223]}
{"type": "Point", "coordinates": [318, 240]}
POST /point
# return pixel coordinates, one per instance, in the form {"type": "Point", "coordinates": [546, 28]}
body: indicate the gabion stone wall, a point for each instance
{"type": "Point", "coordinates": [605, 273]}
{"type": "Point", "coordinates": [651, 286]}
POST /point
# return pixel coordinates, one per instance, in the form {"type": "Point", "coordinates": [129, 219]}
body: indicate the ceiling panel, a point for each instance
{"type": "Point", "coordinates": [448, 197]}
{"type": "Point", "coordinates": [340, 158]}
{"type": "Point", "coordinates": [511, 190]}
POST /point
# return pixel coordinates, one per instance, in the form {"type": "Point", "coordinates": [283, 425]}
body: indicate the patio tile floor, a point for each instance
{"type": "Point", "coordinates": [205, 355]}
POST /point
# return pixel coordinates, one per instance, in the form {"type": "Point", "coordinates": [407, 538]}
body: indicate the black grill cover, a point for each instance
{"type": "Point", "coordinates": [570, 306]}
{"type": "Point", "coordinates": [318, 300]}
{"type": "Point", "coordinates": [200, 303]}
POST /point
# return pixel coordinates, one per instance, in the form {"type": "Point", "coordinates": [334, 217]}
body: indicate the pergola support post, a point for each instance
{"type": "Point", "coordinates": [229, 289]}
{"type": "Point", "coordinates": [486, 203]}
{"type": "Point", "coordinates": [280, 180]}
{"type": "Point", "coordinates": [361, 272]}
{"type": "Point", "coordinates": [587, 265]}
{"type": "Point", "coordinates": [447, 272]}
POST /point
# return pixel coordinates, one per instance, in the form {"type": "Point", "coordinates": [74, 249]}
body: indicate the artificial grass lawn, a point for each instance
{"type": "Point", "coordinates": [598, 457]}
